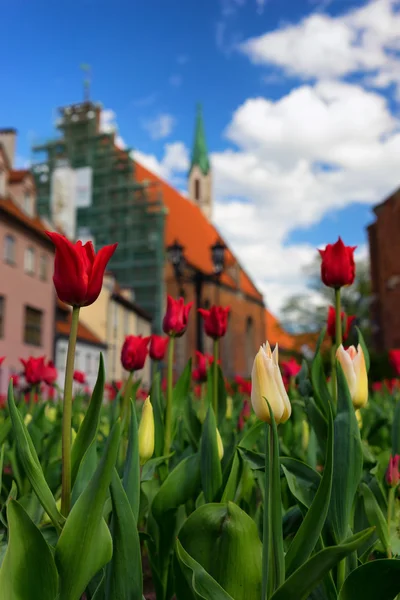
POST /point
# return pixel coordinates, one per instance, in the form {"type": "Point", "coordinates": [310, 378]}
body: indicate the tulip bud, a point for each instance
{"type": "Point", "coordinates": [359, 418]}
{"type": "Point", "coordinates": [305, 435]}
{"type": "Point", "coordinates": [267, 384]}
{"type": "Point", "coordinates": [337, 266]}
{"type": "Point", "coordinates": [220, 445]}
{"type": "Point", "coordinates": [215, 321]}
{"type": "Point", "coordinates": [146, 432]}
{"type": "Point", "coordinates": [27, 419]}
{"type": "Point", "coordinates": [50, 413]}
{"type": "Point", "coordinates": [73, 436]}
{"type": "Point", "coordinates": [355, 371]}
{"type": "Point", "coordinates": [392, 473]}
{"type": "Point", "coordinates": [229, 407]}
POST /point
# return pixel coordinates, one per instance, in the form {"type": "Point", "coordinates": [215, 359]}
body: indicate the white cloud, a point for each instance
{"type": "Point", "coordinates": [175, 80]}
{"type": "Point", "coordinates": [108, 124]}
{"type": "Point", "coordinates": [321, 46]}
{"type": "Point", "coordinates": [174, 161]}
{"type": "Point", "coordinates": [145, 100]}
{"type": "Point", "coordinates": [160, 127]}
{"type": "Point", "coordinates": [283, 168]}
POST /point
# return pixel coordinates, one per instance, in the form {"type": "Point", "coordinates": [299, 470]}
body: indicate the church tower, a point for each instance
{"type": "Point", "coordinates": [200, 184]}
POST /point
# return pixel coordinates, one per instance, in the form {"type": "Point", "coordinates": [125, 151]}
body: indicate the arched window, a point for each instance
{"type": "Point", "coordinates": [197, 189]}
{"type": "Point", "coordinates": [249, 345]}
{"type": "Point", "coordinates": [9, 249]}
{"type": "Point", "coordinates": [29, 261]}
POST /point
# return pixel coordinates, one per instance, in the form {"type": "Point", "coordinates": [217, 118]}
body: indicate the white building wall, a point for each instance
{"type": "Point", "coordinates": [87, 359]}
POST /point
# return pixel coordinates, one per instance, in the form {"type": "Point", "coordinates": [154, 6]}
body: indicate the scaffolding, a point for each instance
{"type": "Point", "coordinates": [121, 210]}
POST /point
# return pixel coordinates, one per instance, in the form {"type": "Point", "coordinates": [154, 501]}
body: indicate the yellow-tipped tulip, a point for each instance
{"type": "Point", "coordinates": [146, 432]}
{"type": "Point", "coordinates": [51, 413]}
{"type": "Point", "coordinates": [229, 407]}
{"type": "Point", "coordinates": [267, 384]}
{"type": "Point", "coordinates": [27, 419]}
{"type": "Point", "coordinates": [220, 446]}
{"type": "Point", "coordinates": [359, 418]}
{"type": "Point", "coordinates": [305, 435]}
{"type": "Point", "coordinates": [355, 370]}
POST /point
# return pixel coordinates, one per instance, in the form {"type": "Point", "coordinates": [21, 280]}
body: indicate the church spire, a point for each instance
{"type": "Point", "coordinates": [199, 152]}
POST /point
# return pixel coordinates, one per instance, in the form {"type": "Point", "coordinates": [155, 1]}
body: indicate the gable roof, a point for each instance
{"type": "Point", "coordinates": [32, 223]}
{"type": "Point", "coordinates": [187, 223]}
{"type": "Point", "coordinates": [18, 175]}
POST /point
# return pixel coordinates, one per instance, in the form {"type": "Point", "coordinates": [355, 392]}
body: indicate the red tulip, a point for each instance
{"type": "Point", "coordinates": [2, 358]}
{"type": "Point", "coordinates": [392, 385]}
{"type": "Point", "coordinates": [377, 386]}
{"type": "Point", "coordinates": [15, 379]}
{"type": "Point", "coordinates": [394, 358]}
{"type": "Point", "coordinates": [176, 318]}
{"type": "Point", "coordinates": [142, 394]}
{"type": "Point", "coordinates": [34, 369]}
{"type": "Point", "coordinates": [134, 352]}
{"type": "Point", "coordinates": [200, 372]}
{"type": "Point", "coordinates": [50, 373]}
{"type": "Point", "coordinates": [78, 271]}
{"type": "Point", "coordinates": [347, 323]}
{"type": "Point", "coordinates": [392, 473]}
{"type": "Point", "coordinates": [215, 321]}
{"type": "Point", "coordinates": [80, 377]}
{"type": "Point", "coordinates": [210, 359]}
{"type": "Point", "coordinates": [158, 347]}
{"type": "Point", "coordinates": [290, 368]}
{"type": "Point", "coordinates": [337, 266]}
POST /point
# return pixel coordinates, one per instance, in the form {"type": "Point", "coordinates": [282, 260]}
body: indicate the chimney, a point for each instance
{"type": "Point", "coordinates": [7, 139]}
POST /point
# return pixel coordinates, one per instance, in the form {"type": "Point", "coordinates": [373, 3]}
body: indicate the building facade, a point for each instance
{"type": "Point", "coordinates": [111, 318]}
{"type": "Point", "coordinates": [384, 248]}
{"type": "Point", "coordinates": [27, 296]}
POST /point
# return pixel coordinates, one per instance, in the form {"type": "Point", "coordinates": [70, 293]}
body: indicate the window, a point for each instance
{"type": "Point", "coordinates": [43, 267]}
{"type": "Point", "coordinates": [9, 249]}
{"type": "Point", "coordinates": [2, 316]}
{"type": "Point", "coordinates": [33, 326]}
{"type": "Point", "coordinates": [197, 189]}
{"type": "Point", "coordinates": [88, 363]}
{"type": "Point", "coordinates": [29, 261]}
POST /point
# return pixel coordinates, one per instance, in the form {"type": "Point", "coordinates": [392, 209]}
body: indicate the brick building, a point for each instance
{"type": "Point", "coordinates": [384, 247]}
{"type": "Point", "coordinates": [26, 264]}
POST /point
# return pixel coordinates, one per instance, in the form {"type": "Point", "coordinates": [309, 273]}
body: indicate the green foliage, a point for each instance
{"type": "Point", "coordinates": [211, 474]}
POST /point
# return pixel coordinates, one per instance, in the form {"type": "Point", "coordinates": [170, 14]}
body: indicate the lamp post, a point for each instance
{"type": "Point", "coordinates": [176, 256]}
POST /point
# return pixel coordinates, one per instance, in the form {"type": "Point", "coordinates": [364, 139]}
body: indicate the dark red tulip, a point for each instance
{"type": "Point", "coordinates": [134, 352]}
{"type": "Point", "coordinates": [347, 323]}
{"type": "Point", "coordinates": [175, 321]}
{"type": "Point", "coordinates": [244, 385]}
{"type": "Point", "coordinates": [338, 266]}
{"type": "Point", "coordinates": [50, 373]}
{"type": "Point", "coordinates": [158, 347]}
{"type": "Point", "coordinates": [78, 271]}
{"type": "Point", "coordinates": [215, 321]}
{"type": "Point", "coordinates": [200, 372]}
{"type": "Point", "coordinates": [15, 379]}
{"type": "Point", "coordinates": [80, 377]}
{"type": "Point", "coordinates": [394, 358]}
{"type": "Point", "coordinates": [392, 473]}
{"type": "Point", "coordinates": [2, 359]}
{"type": "Point", "coordinates": [34, 369]}
{"type": "Point", "coordinates": [377, 386]}
{"type": "Point", "coordinates": [290, 368]}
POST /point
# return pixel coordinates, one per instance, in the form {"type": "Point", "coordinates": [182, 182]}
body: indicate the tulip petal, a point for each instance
{"type": "Point", "coordinates": [69, 279]}
{"type": "Point", "coordinates": [360, 397]}
{"type": "Point", "coordinates": [99, 266]}
{"type": "Point", "coordinates": [348, 368]}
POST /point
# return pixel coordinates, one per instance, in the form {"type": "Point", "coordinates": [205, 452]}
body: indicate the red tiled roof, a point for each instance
{"type": "Point", "coordinates": [275, 333]}
{"type": "Point", "coordinates": [34, 223]}
{"type": "Point", "coordinates": [186, 222]}
{"type": "Point", "coordinates": [18, 175]}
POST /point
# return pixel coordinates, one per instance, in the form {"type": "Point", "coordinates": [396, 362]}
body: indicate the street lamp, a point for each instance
{"type": "Point", "coordinates": [175, 255]}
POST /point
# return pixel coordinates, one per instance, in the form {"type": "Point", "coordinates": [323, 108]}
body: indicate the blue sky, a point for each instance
{"type": "Point", "coordinates": [286, 86]}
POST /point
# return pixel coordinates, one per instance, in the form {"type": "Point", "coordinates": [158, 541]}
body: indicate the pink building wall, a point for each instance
{"type": "Point", "coordinates": [19, 289]}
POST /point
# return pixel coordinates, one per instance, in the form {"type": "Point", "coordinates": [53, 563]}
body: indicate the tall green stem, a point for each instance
{"type": "Point", "coordinates": [168, 408]}
{"type": "Point", "coordinates": [341, 574]}
{"type": "Point", "coordinates": [32, 399]}
{"type": "Point", "coordinates": [67, 416]}
{"type": "Point", "coordinates": [125, 401]}
{"type": "Point", "coordinates": [215, 378]}
{"type": "Point", "coordinates": [392, 492]}
{"type": "Point", "coordinates": [266, 516]}
{"type": "Point", "coordinates": [338, 341]}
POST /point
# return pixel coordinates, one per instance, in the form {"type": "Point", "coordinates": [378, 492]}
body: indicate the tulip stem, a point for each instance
{"type": "Point", "coordinates": [168, 408]}
{"type": "Point", "coordinates": [266, 524]}
{"type": "Point", "coordinates": [215, 379]}
{"type": "Point", "coordinates": [126, 402]}
{"type": "Point", "coordinates": [338, 341]}
{"type": "Point", "coordinates": [32, 399]}
{"type": "Point", "coordinates": [391, 498]}
{"type": "Point", "coordinates": [67, 415]}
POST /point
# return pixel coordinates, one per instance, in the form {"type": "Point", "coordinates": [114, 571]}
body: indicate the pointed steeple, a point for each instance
{"type": "Point", "coordinates": [199, 152]}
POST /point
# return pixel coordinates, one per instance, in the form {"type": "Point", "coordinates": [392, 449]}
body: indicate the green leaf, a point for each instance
{"type": "Point", "coordinates": [364, 347]}
{"type": "Point", "coordinates": [252, 437]}
{"type": "Point", "coordinates": [306, 578]}
{"type": "Point", "coordinates": [131, 480]}
{"type": "Point", "coordinates": [28, 570]}
{"type": "Point", "coordinates": [318, 422]}
{"type": "Point", "coordinates": [211, 473]}
{"type": "Point", "coordinates": [86, 471]}
{"type": "Point", "coordinates": [200, 582]}
{"type": "Point", "coordinates": [5, 429]}
{"type": "Point", "coordinates": [347, 460]}
{"type": "Point", "coordinates": [307, 536]}
{"type": "Point", "coordinates": [124, 572]}
{"type": "Point", "coordinates": [85, 544]}
{"type": "Point", "coordinates": [255, 460]}
{"type": "Point", "coordinates": [302, 480]}
{"type": "Point", "coordinates": [150, 467]}
{"type": "Point", "coordinates": [224, 540]}
{"type": "Point", "coordinates": [31, 464]}
{"type": "Point", "coordinates": [88, 430]}
{"type": "Point", "coordinates": [318, 378]}
{"type": "Point", "coordinates": [1, 466]}
{"type": "Point", "coordinates": [155, 397]}
{"type": "Point", "coordinates": [222, 395]}
{"type": "Point", "coordinates": [181, 393]}
{"type": "Point", "coordinates": [373, 580]}
{"type": "Point", "coordinates": [233, 479]}
{"type": "Point", "coordinates": [396, 430]}
{"type": "Point", "coordinates": [375, 515]}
